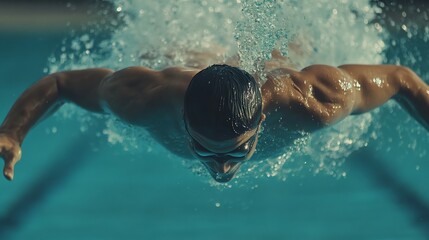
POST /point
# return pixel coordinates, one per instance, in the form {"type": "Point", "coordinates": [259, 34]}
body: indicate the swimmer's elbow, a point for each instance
{"type": "Point", "coordinates": [81, 87]}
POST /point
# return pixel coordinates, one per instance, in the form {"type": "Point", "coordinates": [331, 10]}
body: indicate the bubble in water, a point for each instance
{"type": "Point", "coordinates": [157, 34]}
{"type": "Point", "coordinates": [261, 29]}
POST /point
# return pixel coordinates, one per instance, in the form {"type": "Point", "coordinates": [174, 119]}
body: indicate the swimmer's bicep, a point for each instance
{"type": "Point", "coordinates": [81, 87]}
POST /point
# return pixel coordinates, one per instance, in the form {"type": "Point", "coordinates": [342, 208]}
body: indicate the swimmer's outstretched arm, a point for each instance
{"type": "Point", "coordinates": [40, 101]}
{"type": "Point", "coordinates": [379, 83]}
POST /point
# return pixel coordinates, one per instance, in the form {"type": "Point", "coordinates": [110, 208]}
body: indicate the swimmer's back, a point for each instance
{"type": "Point", "coordinates": [139, 95]}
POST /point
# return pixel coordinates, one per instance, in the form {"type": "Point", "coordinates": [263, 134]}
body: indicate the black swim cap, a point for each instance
{"type": "Point", "coordinates": [222, 102]}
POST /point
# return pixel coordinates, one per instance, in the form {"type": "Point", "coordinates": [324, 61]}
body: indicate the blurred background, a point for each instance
{"type": "Point", "coordinates": [71, 185]}
{"type": "Point", "coordinates": [52, 16]}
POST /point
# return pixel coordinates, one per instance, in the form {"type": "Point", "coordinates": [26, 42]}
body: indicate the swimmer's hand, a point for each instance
{"type": "Point", "coordinates": [10, 151]}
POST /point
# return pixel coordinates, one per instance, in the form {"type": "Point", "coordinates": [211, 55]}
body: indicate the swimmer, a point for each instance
{"type": "Point", "coordinates": [216, 113]}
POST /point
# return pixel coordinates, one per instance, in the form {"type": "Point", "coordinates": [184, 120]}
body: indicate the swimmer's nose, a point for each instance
{"type": "Point", "coordinates": [227, 167]}
{"type": "Point", "coordinates": [221, 171]}
{"type": "Point", "coordinates": [221, 167]}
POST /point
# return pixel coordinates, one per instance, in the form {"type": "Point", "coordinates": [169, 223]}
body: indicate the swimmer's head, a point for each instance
{"type": "Point", "coordinates": [223, 113]}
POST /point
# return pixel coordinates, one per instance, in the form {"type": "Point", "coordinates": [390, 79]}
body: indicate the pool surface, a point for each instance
{"type": "Point", "coordinates": [75, 182]}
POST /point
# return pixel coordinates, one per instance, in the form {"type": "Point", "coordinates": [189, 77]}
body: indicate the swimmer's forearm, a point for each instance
{"type": "Point", "coordinates": [33, 105]}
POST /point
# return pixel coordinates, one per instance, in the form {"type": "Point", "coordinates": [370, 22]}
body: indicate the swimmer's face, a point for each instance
{"type": "Point", "coordinates": [223, 158]}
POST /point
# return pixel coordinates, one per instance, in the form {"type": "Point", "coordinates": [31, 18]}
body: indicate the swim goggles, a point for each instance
{"type": "Point", "coordinates": [240, 152]}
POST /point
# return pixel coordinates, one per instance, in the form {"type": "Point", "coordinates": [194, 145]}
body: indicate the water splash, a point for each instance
{"type": "Point", "coordinates": [159, 34]}
{"type": "Point", "coordinates": [261, 29]}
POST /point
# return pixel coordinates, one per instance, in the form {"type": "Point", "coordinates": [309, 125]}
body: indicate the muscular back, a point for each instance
{"type": "Point", "coordinates": [150, 99]}
{"type": "Point", "coordinates": [141, 96]}
{"type": "Point", "coordinates": [321, 95]}
{"type": "Point", "coordinates": [306, 100]}
{"type": "Point", "coordinates": [309, 99]}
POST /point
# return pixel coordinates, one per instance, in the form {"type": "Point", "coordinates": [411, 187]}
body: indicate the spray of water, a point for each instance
{"type": "Point", "coordinates": [157, 34]}
{"type": "Point", "coordinates": [261, 28]}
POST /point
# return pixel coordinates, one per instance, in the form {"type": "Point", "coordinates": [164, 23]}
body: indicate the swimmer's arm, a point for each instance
{"type": "Point", "coordinates": [46, 95]}
{"type": "Point", "coordinates": [40, 101]}
{"type": "Point", "coordinates": [379, 83]}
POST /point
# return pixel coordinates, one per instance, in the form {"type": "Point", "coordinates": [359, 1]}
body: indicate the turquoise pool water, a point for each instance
{"type": "Point", "coordinates": [82, 177]}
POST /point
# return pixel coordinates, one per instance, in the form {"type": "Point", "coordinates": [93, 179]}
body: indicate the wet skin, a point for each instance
{"type": "Point", "coordinates": [306, 100]}
{"type": "Point", "coordinates": [223, 158]}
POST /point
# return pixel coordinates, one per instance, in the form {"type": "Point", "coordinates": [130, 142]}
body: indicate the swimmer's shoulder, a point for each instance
{"type": "Point", "coordinates": [287, 86]}
{"type": "Point", "coordinates": [133, 90]}
{"type": "Point", "coordinates": [139, 79]}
